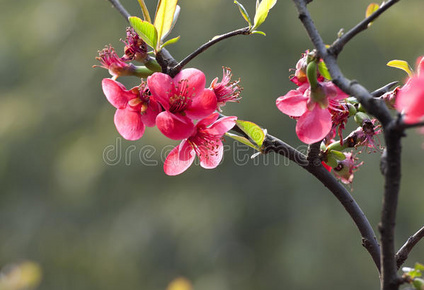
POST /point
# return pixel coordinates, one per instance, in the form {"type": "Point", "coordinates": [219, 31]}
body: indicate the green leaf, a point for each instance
{"type": "Point", "coordinates": [165, 17]}
{"type": "Point", "coordinates": [419, 267]}
{"type": "Point", "coordinates": [145, 30]}
{"type": "Point", "coordinates": [258, 32]}
{"type": "Point", "coordinates": [401, 64]}
{"type": "Point", "coordinates": [171, 41]}
{"type": "Point", "coordinates": [244, 13]}
{"type": "Point", "coordinates": [144, 10]}
{"type": "Point", "coordinates": [241, 139]}
{"type": "Point", "coordinates": [255, 133]}
{"type": "Point", "coordinates": [371, 9]}
{"type": "Point", "coordinates": [323, 70]}
{"type": "Point", "coordinates": [262, 12]}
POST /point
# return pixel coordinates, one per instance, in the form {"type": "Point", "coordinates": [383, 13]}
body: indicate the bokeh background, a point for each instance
{"type": "Point", "coordinates": [95, 211]}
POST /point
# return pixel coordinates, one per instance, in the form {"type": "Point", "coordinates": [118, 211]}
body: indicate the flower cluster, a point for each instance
{"type": "Point", "coordinates": [314, 104]}
{"type": "Point", "coordinates": [322, 111]}
{"type": "Point", "coordinates": [182, 107]}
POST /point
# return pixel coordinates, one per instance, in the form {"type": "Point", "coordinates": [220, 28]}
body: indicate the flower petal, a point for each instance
{"type": "Point", "coordinates": [174, 163]}
{"type": "Point", "coordinates": [196, 80]}
{"type": "Point", "coordinates": [129, 124]}
{"type": "Point", "coordinates": [202, 105]}
{"type": "Point", "coordinates": [205, 122]}
{"type": "Point", "coordinates": [410, 100]}
{"type": "Point", "coordinates": [314, 125]}
{"type": "Point", "coordinates": [420, 66]}
{"type": "Point", "coordinates": [293, 103]}
{"type": "Point", "coordinates": [222, 126]}
{"type": "Point", "coordinates": [116, 93]}
{"type": "Point", "coordinates": [333, 92]}
{"type": "Point", "coordinates": [214, 157]}
{"type": "Point", "coordinates": [174, 127]}
{"type": "Point", "coordinates": [149, 116]}
{"type": "Point", "coordinates": [162, 88]}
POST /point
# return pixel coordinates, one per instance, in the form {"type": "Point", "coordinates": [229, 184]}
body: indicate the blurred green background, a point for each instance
{"type": "Point", "coordinates": [97, 212]}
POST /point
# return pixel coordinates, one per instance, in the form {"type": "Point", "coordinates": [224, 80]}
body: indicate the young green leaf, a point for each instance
{"type": "Point", "coordinates": [242, 139]}
{"type": "Point", "coordinates": [258, 32]}
{"type": "Point", "coordinates": [400, 64]}
{"type": "Point", "coordinates": [165, 17]}
{"type": "Point", "coordinates": [323, 70]}
{"type": "Point", "coordinates": [145, 30]}
{"type": "Point", "coordinates": [419, 267]}
{"type": "Point", "coordinates": [262, 12]}
{"type": "Point", "coordinates": [171, 41]}
{"type": "Point", "coordinates": [144, 10]}
{"type": "Point", "coordinates": [370, 10]}
{"type": "Point", "coordinates": [244, 13]}
{"type": "Point", "coordinates": [252, 130]}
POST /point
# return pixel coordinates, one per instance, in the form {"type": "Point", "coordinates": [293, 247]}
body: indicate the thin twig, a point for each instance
{"type": "Point", "coordinates": [384, 89]}
{"type": "Point", "coordinates": [191, 56]}
{"type": "Point", "coordinates": [118, 6]}
{"type": "Point", "coordinates": [404, 251]}
{"type": "Point", "coordinates": [338, 45]}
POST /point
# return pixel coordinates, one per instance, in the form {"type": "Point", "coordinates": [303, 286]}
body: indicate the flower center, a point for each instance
{"type": "Point", "coordinates": [181, 99]}
{"type": "Point", "coordinates": [205, 145]}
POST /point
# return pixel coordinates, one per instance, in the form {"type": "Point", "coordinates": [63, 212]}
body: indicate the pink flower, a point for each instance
{"type": "Point", "coordinates": [226, 90]}
{"type": "Point", "coordinates": [135, 47]}
{"type": "Point", "coordinates": [205, 142]}
{"type": "Point", "coordinates": [410, 98]}
{"type": "Point", "coordinates": [314, 120]}
{"type": "Point", "coordinates": [135, 108]}
{"type": "Point", "coordinates": [184, 99]}
{"type": "Point", "coordinates": [112, 62]}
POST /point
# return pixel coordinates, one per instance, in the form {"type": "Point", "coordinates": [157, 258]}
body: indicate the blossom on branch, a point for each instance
{"type": "Point", "coordinates": [184, 99]}
{"type": "Point", "coordinates": [205, 142]}
{"type": "Point", "coordinates": [114, 64]}
{"type": "Point", "coordinates": [311, 109]}
{"type": "Point", "coordinates": [410, 98]}
{"type": "Point", "coordinates": [135, 47]}
{"type": "Point", "coordinates": [135, 108]}
{"type": "Point", "coordinates": [226, 90]}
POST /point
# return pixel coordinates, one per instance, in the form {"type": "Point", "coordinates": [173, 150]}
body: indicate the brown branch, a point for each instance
{"type": "Point", "coordinates": [312, 164]}
{"type": "Point", "coordinates": [392, 134]}
{"type": "Point", "coordinates": [404, 251]}
{"type": "Point", "coordinates": [176, 69]}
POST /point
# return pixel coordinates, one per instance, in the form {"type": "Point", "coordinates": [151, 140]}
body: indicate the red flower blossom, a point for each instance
{"type": "Point", "coordinates": [226, 90]}
{"type": "Point", "coordinates": [311, 110]}
{"type": "Point", "coordinates": [135, 47]}
{"type": "Point", "coordinates": [410, 98]}
{"type": "Point", "coordinates": [135, 108]}
{"type": "Point", "coordinates": [112, 62]}
{"type": "Point", "coordinates": [184, 99]}
{"type": "Point", "coordinates": [205, 142]}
